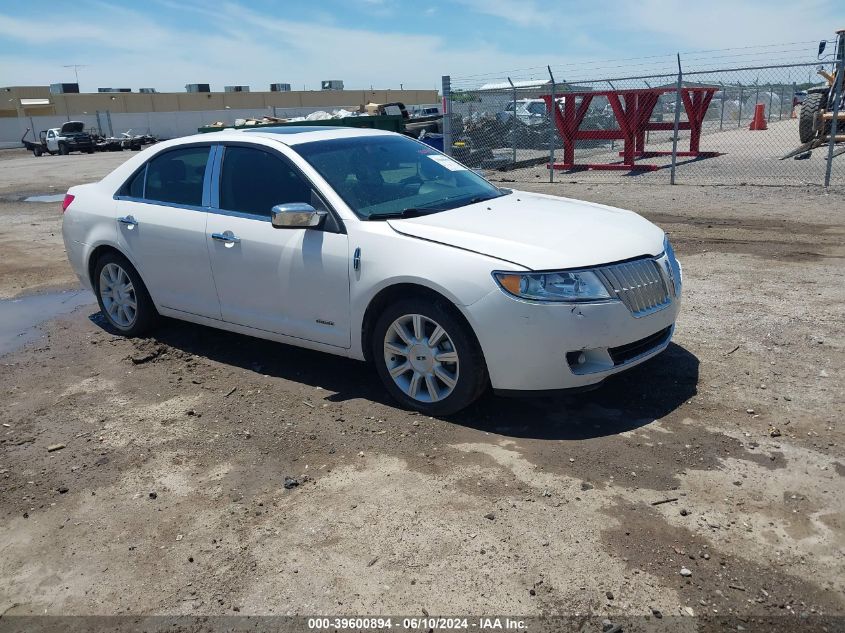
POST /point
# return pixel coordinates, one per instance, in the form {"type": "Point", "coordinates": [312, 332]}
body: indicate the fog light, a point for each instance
{"type": "Point", "coordinates": [576, 358]}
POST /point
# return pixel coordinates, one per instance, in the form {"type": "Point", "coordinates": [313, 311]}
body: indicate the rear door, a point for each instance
{"type": "Point", "coordinates": [290, 281]}
{"type": "Point", "coordinates": [162, 215]}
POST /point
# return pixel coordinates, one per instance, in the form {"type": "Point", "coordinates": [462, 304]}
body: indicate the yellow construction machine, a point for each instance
{"type": "Point", "coordinates": [814, 121]}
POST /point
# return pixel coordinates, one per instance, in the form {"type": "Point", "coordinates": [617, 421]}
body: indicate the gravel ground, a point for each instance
{"type": "Point", "coordinates": [168, 495]}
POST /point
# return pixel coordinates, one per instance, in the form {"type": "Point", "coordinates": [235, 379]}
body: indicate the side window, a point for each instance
{"type": "Point", "coordinates": [254, 181]}
{"type": "Point", "coordinates": [136, 185]}
{"type": "Point", "coordinates": [177, 176]}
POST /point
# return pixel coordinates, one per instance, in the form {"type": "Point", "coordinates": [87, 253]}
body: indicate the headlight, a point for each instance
{"type": "Point", "coordinates": [667, 248]}
{"type": "Point", "coordinates": [581, 285]}
{"type": "Point", "coordinates": [673, 267]}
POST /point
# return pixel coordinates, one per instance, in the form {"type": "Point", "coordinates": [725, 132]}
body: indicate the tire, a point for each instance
{"type": "Point", "coordinates": [63, 149]}
{"type": "Point", "coordinates": [113, 269]}
{"type": "Point", "coordinates": [37, 151]}
{"type": "Point", "coordinates": [89, 151]}
{"type": "Point", "coordinates": [424, 376]}
{"type": "Point", "coordinates": [813, 104]}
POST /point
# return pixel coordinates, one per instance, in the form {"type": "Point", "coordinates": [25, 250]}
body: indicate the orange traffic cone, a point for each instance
{"type": "Point", "coordinates": [759, 120]}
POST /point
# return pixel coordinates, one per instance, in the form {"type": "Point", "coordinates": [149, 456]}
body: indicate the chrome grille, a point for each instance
{"type": "Point", "coordinates": [640, 285]}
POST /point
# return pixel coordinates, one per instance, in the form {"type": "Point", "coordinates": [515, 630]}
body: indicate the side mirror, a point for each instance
{"type": "Point", "coordinates": [822, 46]}
{"type": "Point", "coordinates": [296, 215]}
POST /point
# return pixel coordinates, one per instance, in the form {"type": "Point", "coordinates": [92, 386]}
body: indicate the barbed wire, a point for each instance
{"type": "Point", "coordinates": [789, 53]}
{"type": "Point", "coordinates": [629, 59]}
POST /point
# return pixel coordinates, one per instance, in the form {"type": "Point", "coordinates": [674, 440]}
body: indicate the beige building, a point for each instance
{"type": "Point", "coordinates": [28, 101]}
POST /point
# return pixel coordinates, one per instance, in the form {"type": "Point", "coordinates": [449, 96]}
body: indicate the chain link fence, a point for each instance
{"type": "Point", "coordinates": [729, 126]}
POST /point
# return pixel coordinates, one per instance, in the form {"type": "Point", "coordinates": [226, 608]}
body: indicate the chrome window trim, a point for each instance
{"type": "Point", "coordinates": [239, 214]}
{"type": "Point", "coordinates": [159, 203]}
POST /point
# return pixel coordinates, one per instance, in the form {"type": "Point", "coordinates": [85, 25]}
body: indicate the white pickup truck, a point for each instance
{"type": "Point", "coordinates": [71, 137]}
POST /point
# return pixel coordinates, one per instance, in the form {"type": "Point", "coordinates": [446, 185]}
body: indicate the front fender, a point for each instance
{"type": "Point", "coordinates": [389, 259]}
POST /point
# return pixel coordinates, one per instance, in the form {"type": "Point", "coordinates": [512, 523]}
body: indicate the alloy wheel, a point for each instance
{"type": "Point", "coordinates": [118, 295]}
{"type": "Point", "coordinates": [421, 358]}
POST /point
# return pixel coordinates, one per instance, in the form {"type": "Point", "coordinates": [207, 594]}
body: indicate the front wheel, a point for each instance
{"type": "Point", "coordinates": [122, 295]}
{"type": "Point", "coordinates": [63, 149]}
{"type": "Point", "coordinates": [427, 357]}
{"type": "Point", "coordinates": [813, 104]}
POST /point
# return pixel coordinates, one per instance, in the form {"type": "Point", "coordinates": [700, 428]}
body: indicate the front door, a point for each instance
{"type": "Point", "coordinates": [161, 228]}
{"type": "Point", "coordinates": [289, 281]}
{"type": "Point", "coordinates": [52, 141]}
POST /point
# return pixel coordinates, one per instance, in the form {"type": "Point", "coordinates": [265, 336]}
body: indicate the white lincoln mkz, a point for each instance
{"type": "Point", "coordinates": [375, 246]}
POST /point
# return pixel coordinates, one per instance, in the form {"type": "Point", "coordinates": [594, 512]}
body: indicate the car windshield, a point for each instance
{"type": "Point", "coordinates": [387, 176]}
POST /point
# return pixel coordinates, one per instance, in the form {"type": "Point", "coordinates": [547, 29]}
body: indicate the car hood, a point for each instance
{"type": "Point", "coordinates": [540, 232]}
{"type": "Point", "coordinates": [72, 127]}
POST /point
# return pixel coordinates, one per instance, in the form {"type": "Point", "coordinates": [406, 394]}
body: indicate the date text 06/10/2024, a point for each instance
{"type": "Point", "coordinates": [366, 623]}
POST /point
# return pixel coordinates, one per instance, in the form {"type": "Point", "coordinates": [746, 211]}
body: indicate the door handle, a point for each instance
{"type": "Point", "coordinates": [228, 237]}
{"type": "Point", "coordinates": [129, 221]}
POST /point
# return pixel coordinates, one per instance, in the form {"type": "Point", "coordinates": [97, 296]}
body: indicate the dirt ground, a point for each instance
{"type": "Point", "coordinates": [168, 495]}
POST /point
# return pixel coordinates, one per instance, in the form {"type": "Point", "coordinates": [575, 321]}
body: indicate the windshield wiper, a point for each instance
{"type": "Point", "coordinates": [476, 199]}
{"type": "Point", "coordinates": [411, 212]}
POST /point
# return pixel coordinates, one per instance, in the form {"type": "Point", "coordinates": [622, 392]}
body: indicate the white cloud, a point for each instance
{"type": "Point", "coordinates": [244, 46]}
{"type": "Point", "coordinates": [521, 12]}
{"type": "Point", "coordinates": [728, 23]}
{"type": "Point", "coordinates": [247, 47]}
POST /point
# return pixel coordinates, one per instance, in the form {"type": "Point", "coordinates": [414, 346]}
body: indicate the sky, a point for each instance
{"type": "Point", "coordinates": [165, 44]}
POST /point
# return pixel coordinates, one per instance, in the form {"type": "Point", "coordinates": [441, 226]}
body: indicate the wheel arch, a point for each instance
{"type": "Point", "coordinates": [397, 292]}
{"type": "Point", "coordinates": [101, 249]}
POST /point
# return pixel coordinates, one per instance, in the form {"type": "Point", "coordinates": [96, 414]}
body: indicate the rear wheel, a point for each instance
{"type": "Point", "coordinates": [122, 295]}
{"type": "Point", "coordinates": [37, 151]}
{"type": "Point", "coordinates": [813, 104]}
{"type": "Point", "coordinates": [427, 357]}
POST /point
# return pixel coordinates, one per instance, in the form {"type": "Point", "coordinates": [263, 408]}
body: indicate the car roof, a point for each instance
{"type": "Point", "coordinates": [294, 134]}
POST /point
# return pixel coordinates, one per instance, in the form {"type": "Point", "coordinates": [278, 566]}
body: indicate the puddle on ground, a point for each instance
{"type": "Point", "coordinates": [20, 318]}
{"type": "Point", "coordinates": [47, 197]}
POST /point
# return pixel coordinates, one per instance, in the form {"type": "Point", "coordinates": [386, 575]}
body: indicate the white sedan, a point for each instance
{"type": "Point", "coordinates": [374, 246]}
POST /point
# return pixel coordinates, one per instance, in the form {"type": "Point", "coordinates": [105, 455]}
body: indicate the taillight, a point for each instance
{"type": "Point", "coordinates": [66, 202]}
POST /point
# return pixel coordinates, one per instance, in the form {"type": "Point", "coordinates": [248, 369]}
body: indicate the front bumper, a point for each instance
{"type": "Point", "coordinates": [526, 344]}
